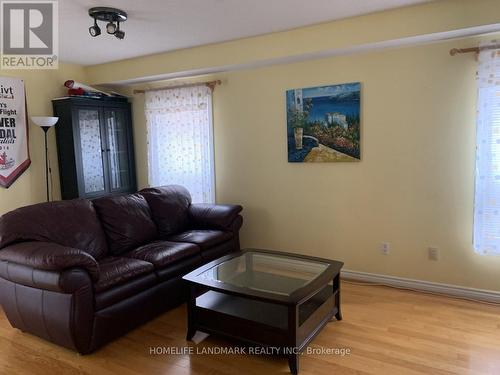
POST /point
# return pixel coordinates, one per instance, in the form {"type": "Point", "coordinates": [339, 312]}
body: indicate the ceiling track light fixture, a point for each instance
{"type": "Point", "coordinates": [112, 16]}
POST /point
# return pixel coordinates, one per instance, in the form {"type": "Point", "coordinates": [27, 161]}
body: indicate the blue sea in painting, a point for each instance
{"type": "Point", "coordinates": [323, 105]}
{"type": "Point", "coordinates": [326, 116]}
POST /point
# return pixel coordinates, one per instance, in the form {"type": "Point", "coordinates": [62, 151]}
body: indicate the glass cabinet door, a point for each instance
{"type": "Point", "coordinates": [118, 149]}
{"type": "Point", "coordinates": [91, 151]}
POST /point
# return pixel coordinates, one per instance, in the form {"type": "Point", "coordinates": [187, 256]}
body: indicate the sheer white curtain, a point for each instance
{"type": "Point", "coordinates": [180, 140]}
{"type": "Point", "coordinates": [487, 193]}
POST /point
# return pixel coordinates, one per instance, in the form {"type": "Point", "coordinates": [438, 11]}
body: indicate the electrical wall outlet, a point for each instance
{"type": "Point", "coordinates": [433, 253]}
{"type": "Point", "coordinates": [385, 248]}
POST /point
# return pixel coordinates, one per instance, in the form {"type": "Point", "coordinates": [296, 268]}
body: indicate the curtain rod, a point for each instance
{"type": "Point", "coordinates": [210, 84]}
{"type": "Point", "coordinates": [455, 51]}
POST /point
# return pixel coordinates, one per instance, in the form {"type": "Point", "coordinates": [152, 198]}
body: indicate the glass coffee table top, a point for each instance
{"type": "Point", "coordinates": [266, 272]}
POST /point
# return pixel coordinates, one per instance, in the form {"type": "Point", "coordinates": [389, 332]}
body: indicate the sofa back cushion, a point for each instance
{"type": "Point", "coordinates": [169, 207]}
{"type": "Point", "coordinates": [72, 223]}
{"type": "Point", "coordinates": [127, 222]}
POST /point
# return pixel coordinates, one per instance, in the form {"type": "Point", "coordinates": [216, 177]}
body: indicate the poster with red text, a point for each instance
{"type": "Point", "coordinates": [14, 153]}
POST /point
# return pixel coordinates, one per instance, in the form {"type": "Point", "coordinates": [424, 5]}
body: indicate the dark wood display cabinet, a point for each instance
{"type": "Point", "coordinates": [95, 147]}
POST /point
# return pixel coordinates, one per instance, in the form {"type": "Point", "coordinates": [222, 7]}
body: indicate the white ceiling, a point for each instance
{"type": "Point", "coordinates": [163, 25]}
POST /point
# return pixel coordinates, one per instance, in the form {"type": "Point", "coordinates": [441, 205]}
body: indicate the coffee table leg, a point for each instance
{"type": "Point", "coordinates": [191, 326]}
{"type": "Point", "coordinates": [293, 358]}
{"type": "Point", "coordinates": [338, 315]}
{"type": "Point", "coordinates": [336, 286]}
{"type": "Point", "coordinates": [293, 363]}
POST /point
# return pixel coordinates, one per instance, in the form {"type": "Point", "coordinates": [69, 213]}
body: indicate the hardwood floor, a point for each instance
{"type": "Point", "coordinates": [388, 331]}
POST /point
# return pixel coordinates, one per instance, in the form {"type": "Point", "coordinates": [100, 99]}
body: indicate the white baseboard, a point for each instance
{"type": "Point", "coordinates": [426, 286]}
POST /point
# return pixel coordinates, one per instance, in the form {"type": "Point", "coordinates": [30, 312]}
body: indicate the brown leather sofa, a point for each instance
{"type": "Point", "coordinates": [80, 273]}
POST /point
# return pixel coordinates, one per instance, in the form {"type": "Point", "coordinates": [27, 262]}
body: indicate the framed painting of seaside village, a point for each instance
{"type": "Point", "coordinates": [323, 123]}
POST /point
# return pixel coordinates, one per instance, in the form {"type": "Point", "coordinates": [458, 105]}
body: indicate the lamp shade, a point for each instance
{"type": "Point", "coordinates": [44, 121]}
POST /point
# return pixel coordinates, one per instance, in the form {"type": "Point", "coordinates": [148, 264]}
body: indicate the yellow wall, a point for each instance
{"type": "Point", "coordinates": [413, 187]}
{"type": "Point", "coordinates": [41, 86]}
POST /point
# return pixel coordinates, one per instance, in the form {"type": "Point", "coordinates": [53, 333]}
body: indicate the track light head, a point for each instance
{"type": "Point", "coordinates": [95, 30]}
{"type": "Point", "coordinates": [120, 34]}
{"type": "Point", "coordinates": [111, 28]}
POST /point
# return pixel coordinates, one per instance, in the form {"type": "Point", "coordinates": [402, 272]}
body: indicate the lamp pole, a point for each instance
{"type": "Point", "coordinates": [45, 130]}
{"type": "Point", "coordinates": [45, 123]}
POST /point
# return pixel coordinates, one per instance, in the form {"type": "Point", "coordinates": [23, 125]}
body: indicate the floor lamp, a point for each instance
{"type": "Point", "coordinates": [45, 123]}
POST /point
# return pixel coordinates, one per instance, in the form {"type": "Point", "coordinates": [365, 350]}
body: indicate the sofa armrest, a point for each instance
{"type": "Point", "coordinates": [55, 305]}
{"type": "Point", "coordinates": [49, 256]}
{"type": "Point", "coordinates": [219, 216]}
{"type": "Point", "coordinates": [67, 281]}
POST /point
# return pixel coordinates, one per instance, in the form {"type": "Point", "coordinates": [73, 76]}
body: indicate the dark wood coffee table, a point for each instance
{"type": "Point", "coordinates": [265, 298]}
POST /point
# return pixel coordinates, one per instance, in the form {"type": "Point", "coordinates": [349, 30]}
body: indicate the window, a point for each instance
{"type": "Point", "coordinates": [180, 140]}
{"type": "Point", "coordinates": [487, 190]}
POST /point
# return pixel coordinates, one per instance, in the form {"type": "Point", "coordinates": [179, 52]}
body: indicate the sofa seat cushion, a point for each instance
{"type": "Point", "coordinates": [180, 268]}
{"type": "Point", "coordinates": [114, 271]}
{"type": "Point", "coordinates": [218, 251]}
{"type": "Point", "coordinates": [127, 222]}
{"type": "Point", "coordinates": [163, 253]}
{"type": "Point", "coordinates": [121, 292]}
{"type": "Point", "coordinates": [204, 238]}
